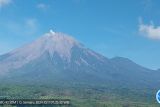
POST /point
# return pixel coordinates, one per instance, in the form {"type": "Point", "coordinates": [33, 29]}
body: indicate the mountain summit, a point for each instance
{"type": "Point", "coordinates": [51, 42]}
{"type": "Point", "coordinates": [54, 45]}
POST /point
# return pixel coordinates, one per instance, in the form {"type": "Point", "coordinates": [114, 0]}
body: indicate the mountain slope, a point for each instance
{"type": "Point", "coordinates": [137, 75]}
{"type": "Point", "coordinates": [57, 58]}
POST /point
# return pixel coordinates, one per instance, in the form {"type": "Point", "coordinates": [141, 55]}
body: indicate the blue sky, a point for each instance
{"type": "Point", "coordinates": [127, 28]}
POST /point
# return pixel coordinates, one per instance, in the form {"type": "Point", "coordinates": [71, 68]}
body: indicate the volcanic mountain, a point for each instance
{"type": "Point", "coordinates": [56, 58]}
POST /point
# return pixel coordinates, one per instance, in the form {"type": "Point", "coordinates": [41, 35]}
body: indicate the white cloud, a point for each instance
{"type": "Point", "coordinates": [42, 6]}
{"type": "Point", "coordinates": [26, 27]}
{"type": "Point", "coordinates": [149, 30]}
{"type": "Point", "coordinates": [4, 2]}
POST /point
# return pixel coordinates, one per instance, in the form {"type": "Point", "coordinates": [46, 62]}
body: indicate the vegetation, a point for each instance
{"type": "Point", "coordinates": [81, 96]}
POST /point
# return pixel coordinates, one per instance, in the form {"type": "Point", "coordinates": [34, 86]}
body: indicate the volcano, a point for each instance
{"type": "Point", "coordinates": [57, 58]}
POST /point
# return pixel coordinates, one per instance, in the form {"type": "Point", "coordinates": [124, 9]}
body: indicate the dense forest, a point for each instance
{"type": "Point", "coordinates": [82, 96]}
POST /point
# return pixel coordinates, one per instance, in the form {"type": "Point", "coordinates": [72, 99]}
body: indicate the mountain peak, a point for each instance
{"type": "Point", "coordinates": [50, 43]}
{"type": "Point", "coordinates": [57, 42]}
{"type": "Point", "coordinates": [56, 37]}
